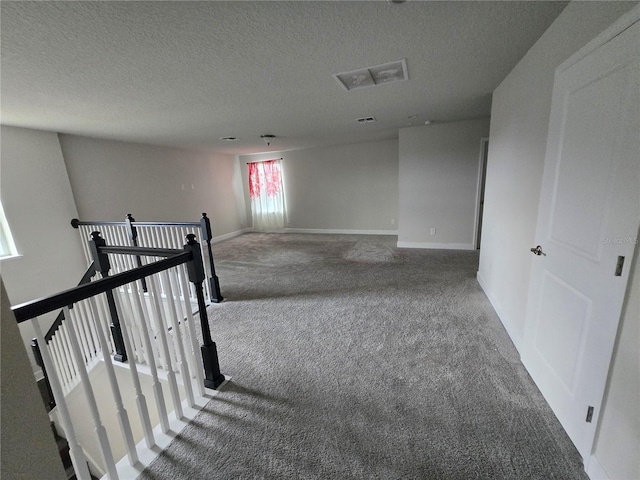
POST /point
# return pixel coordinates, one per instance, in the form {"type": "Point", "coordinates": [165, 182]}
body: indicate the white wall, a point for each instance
{"type": "Point", "coordinates": [28, 449]}
{"type": "Point", "coordinates": [438, 184]}
{"type": "Point", "coordinates": [339, 188]}
{"type": "Point", "coordinates": [110, 179]}
{"type": "Point", "coordinates": [38, 203]}
{"type": "Point", "coordinates": [519, 123]}
{"type": "Point", "coordinates": [618, 441]}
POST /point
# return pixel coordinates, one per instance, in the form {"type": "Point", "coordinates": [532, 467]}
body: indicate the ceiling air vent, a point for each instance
{"type": "Point", "coordinates": [366, 120]}
{"type": "Point", "coordinates": [371, 76]}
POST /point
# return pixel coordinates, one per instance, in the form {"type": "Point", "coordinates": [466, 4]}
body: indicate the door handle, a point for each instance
{"type": "Point", "coordinates": [538, 251]}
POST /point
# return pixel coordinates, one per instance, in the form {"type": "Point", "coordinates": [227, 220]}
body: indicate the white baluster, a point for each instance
{"type": "Point", "coordinates": [66, 349]}
{"type": "Point", "coordinates": [75, 451]}
{"type": "Point", "coordinates": [131, 292]}
{"type": "Point", "coordinates": [161, 331]}
{"type": "Point", "coordinates": [121, 412]}
{"type": "Point", "coordinates": [173, 235]}
{"type": "Point", "coordinates": [147, 301]}
{"type": "Point", "coordinates": [92, 330]}
{"type": "Point", "coordinates": [107, 234]}
{"type": "Point", "coordinates": [82, 341]}
{"type": "Point", "coordinates": [141, 402]}
{"type": "Point", "coordinates": [190, 322]}
{"type": "Point", "coordinates": [123, 237]}
{"type": "Point", "coordinates": [184, 365]}
{"type": "Point", "coordinates": [156, 385]}
{"type": "Point", "coordinates": [143, 237]}
{"type": "Point", "coordinates": [99, 429]}
{"type": "Point", "coordinates": [183, 232]}
{"type": "Point", "coordinates": [61, 368]}
{"type": "Point", "coordinates": [105, 320]}
{"type": "Point", "coordinates": [134, 326]}
{"type": "Point", "coordinates": [166, 239]}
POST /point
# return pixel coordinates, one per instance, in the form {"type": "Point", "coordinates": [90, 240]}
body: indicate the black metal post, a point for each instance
{"type": "Point", "coordinates": [103, 266]}
{"type": "Point", "coordinates": [205, 226]}
{"type": "Point", "coordinates": [212, 376]}
{"type": "Point", "coordinates": [133, 236]}
{"type": "Point", "coordinates": [38, 357]}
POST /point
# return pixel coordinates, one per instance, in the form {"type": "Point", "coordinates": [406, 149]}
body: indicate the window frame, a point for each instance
{"type": "Point", "coordinates": [7, 243]}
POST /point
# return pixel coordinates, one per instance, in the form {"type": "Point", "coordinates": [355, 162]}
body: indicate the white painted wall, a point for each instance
{"type": "Point", "coordinates": [110, 179]}
{"type": "Point", "coordinates": [438, 184]}
{"type": "Point", "coordinates": [618, 441]}
{"type": "Point", "coordinates": [346, 187]}
{"type": "Point", "coordinates": [39, 205]}
{"type": "Point", "coordinates": [519, 123]}
{"type": "Point", "coordinates": [27, 447]}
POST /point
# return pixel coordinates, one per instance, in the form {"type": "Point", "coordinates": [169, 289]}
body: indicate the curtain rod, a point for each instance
{"type": "Point", "coordinates": [261, 161]}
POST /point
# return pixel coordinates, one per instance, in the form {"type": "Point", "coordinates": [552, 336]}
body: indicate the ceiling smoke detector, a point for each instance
{"type": "Point", "coordinates": [371, 76]}
{"type": "Point", "coordinates": [267, 138]}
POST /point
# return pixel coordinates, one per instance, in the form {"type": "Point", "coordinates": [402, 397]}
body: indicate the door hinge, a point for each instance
{"type": "Point", "coordinates": [589, 414]}
{"type": "Point", "coordinates": [619, 266]}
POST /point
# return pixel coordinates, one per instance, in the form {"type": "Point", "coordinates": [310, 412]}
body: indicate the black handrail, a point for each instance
{"type": "Point", "coordinates": [205, 228]}
{"type": "Point", "coordinates": [28, 310]}
{"type": "Point", "coordinates": [139, 251]}
{"type": "Point", "coordinates": [75, 223]}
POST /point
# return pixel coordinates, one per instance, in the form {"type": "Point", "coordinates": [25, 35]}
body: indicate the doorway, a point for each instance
{"type": "Point", "coordinates": [482, 176]}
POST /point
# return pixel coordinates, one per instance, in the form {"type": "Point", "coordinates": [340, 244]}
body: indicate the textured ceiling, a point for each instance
{"type": "Point", "coordinates": [187, 73]}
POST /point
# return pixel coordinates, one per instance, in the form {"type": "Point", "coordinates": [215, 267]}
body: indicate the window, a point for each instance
{"type": "Point", "coordinates": [7, 246]}
{"type": "Point", "coordinates": [267, 195]}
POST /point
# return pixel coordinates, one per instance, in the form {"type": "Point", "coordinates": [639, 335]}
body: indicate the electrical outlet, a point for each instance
{"type": "Point", "coordinates": [432, 231]}
{"type": "Point", "coordinates": [393, 221]}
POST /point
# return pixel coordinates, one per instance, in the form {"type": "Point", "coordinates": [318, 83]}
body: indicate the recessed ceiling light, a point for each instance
{"type": "Point", "coordinates": [428, 122]}
{"type": "Point", "coordinates": [228, 139]}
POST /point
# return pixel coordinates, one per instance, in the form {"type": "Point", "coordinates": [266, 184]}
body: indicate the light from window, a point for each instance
{"type": "Point", "coordinates": [7, 245]}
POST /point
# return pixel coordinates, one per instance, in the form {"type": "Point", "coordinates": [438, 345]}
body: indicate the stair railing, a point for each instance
{"type": "Point", "coordinates": [145, 319]}
{"type": "Point", "coordinates": [158, 235]}
{"type": "Point", "coordinates": [56, 339]}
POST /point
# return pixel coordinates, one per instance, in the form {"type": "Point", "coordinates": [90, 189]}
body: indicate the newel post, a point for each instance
{"type": "Point", "coordinates": [205, 227]}
{"type": "Point", "coordinates": [212, 376]}
{"type": "Point", "coordinates": [38, 357]}
{"type": "Point", "coordinates": [103, 266]}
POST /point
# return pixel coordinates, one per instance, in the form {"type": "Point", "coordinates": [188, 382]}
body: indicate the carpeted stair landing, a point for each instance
{"type": "Point", "coordinates": [352, 359]}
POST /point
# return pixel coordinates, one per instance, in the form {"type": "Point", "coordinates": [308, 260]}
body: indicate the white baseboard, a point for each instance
{"type": "Point", "coordinates": [227, 236]}
{"type": "Point", "coordinates": [595, 470]}
{"type": "Point", "coordinates": [438, 246]}
{"type": "Point", "coordinates": [340, 231]}
{"type": "Point", "coordinates": [506, 323]}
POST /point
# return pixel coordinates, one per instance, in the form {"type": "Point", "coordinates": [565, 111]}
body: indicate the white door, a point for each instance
{"type": "Point", "coordinates": [587, 228]}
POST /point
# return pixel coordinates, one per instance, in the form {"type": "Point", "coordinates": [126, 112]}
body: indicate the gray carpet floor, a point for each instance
{"type": "Point", "coordinates": [353, 359]}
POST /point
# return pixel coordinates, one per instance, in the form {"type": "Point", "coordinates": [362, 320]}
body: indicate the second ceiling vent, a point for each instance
{"type": "Point", "coordinates": [371, 76]}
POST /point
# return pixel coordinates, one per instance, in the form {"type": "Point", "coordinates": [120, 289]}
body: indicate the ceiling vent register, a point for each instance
{"type": "Point", "coordinates": [372, 76]}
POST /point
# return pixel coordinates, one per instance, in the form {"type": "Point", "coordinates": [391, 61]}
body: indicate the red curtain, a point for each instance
{"type": "Point", "coordinates": [268, 181]}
